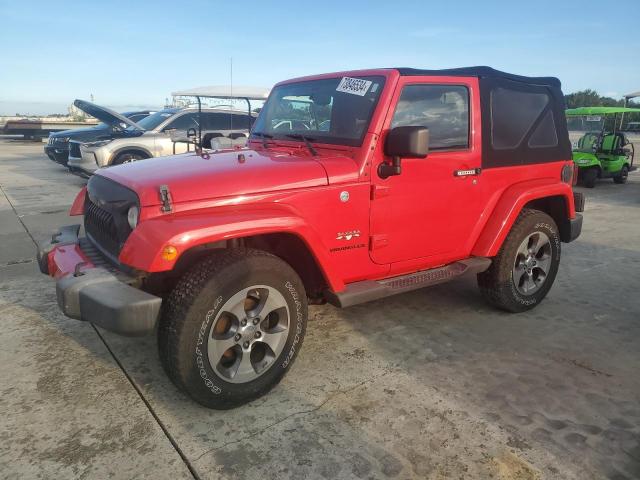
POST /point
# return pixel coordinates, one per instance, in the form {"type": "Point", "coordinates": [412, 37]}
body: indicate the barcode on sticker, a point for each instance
{"type": "Point", "coordinates": [355, 86]}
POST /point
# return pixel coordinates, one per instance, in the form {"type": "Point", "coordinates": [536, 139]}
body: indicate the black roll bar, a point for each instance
{"type": "Point", "coordinates": [246, 99]}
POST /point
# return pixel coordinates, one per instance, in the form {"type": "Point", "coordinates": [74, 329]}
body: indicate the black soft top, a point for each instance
{"type": "Point", "coordinates": [523, 119]}
{"type": "Point", "coordinates": [481, 72]}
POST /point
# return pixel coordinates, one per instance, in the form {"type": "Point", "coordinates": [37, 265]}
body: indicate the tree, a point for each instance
{"type": "Point", "coordinates": [591, 98]}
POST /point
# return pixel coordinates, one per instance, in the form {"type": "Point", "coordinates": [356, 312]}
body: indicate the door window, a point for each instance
{"type": "Point", "coordinates": [225, 121]}
{"type": "Point", "coordinates": [443, 109]}
{"type": "Point", "coordinates": [184, 122]}
{"type": "Point", "coordinates": [242, 122]}
{"type": "Point", "coordinates": [136, 118]}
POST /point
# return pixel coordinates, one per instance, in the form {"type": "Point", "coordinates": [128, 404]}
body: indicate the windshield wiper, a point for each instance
{"type": "Point", "coordinates": [264, 137]}
{"type": "Point", "coordinates": [307, 141]}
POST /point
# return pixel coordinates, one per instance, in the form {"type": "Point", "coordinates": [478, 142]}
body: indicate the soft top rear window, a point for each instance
{"type": "Point", "coordinates": [522, 123]}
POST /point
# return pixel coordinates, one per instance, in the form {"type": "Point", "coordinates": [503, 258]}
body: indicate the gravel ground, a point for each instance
{"type": "Point", "coordinates": [429, 384]}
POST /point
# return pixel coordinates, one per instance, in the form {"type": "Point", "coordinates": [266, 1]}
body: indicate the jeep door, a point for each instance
{"type": "Point", "coordinates": [432, 208]}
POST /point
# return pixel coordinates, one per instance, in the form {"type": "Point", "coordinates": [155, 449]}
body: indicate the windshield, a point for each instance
{"type": "Point", "coordinates": [152, 121]}
{"type": "Point", "coordinates": [586, 123]}
{"type": "Point", "coordinates": [584, 131]}
{"type": "Point", "coordinates": [334, 110]}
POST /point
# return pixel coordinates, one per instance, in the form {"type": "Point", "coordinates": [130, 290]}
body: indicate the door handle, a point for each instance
{"type": "Point", "coordinates": [467, 173]}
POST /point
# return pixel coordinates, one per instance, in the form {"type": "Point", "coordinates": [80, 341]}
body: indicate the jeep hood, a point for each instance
{"type": "Point", "coordinates": [225, 174]}
{"type": "Point", "coordinates": [104, 114]}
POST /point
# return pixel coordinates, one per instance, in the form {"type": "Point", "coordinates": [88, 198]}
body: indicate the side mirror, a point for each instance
{"type": "Point", "coordinates": [410, 141]}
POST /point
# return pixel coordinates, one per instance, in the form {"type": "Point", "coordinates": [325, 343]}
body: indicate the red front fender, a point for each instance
{"type": "Point", "coordinates": [143, 248]}
{"type": "Point", "coordinates": [508, 208]}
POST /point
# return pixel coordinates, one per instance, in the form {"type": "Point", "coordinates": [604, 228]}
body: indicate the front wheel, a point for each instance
{"type": "Point", "coordinates": [622, 176]}
{"type": "Point", "coordinates": [232, 327]}
{"type": "Point", "coordinates": [523, 272]}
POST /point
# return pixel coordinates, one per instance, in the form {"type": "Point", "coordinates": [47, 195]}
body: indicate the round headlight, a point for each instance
{"type": "Point", "coordinates": [132, 217]}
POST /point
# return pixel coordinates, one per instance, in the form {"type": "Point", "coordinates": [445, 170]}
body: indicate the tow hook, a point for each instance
{"type": "Point", "coordinates": [76, 270]}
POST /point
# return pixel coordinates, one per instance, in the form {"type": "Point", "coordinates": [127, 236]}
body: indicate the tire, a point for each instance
{"type": "Point", "coordinates": [127, 157]}
{"type": "Point", "coordinates": [517, 281]}
{"type": "Point", "coordinates": [197, 326]}
{"type": "Point", "coordinates": [623, 176]}
{"type": "Point", "coordinates": [589, 177]}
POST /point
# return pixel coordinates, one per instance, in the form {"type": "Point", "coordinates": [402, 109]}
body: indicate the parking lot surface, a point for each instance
{"type": "Point", "coordinates": [429, 384]}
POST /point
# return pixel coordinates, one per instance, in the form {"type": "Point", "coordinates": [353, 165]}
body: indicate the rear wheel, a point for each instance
{"type": "Point", "coordinates": [622, 176]}
{"type": "Point", "coordinates": [232, 327]}
{"type": "Point", "coordinates": [523, 272]}
{"type": "Point", "coordinates": [589, 177]}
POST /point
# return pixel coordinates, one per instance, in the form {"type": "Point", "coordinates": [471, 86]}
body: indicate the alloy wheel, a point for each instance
{"type": "Point", "coordinates": [248, 334]}
{"type": "Point", "coordinates": [532, 263]}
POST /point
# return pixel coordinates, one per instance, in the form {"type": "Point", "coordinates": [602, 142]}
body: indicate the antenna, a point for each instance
{"type": "Point", "coordinates": [231, 86]}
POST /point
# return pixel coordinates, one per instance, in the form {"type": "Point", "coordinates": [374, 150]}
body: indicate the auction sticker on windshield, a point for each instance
{"type": "Point", "coordinates": [354, 86]}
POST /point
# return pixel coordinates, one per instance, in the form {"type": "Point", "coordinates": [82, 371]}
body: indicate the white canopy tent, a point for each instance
{"type": "Point", "coordinates": [629, 96]}
{"type": "Point", "coordinates": [228, 92]}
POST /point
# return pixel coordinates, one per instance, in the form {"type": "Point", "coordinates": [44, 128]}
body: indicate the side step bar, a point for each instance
{"type": "Point", "coordinates": [367, 290]}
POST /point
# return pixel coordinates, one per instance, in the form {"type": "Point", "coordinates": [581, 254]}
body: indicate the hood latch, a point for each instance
{"type": "Point", "coordinates": [165, 198]}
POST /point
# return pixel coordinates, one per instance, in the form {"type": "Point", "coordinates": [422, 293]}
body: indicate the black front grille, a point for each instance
{"type": "Point", "coordinates": [101, 227]}
{"type": "Point", "coordinates": [74, 150]}
{"type": "Point", "coordinates": [105, 214]}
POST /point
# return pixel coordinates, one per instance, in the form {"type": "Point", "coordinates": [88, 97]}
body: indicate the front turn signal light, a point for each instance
{"type": "Point", "coordinates": [169, 253]}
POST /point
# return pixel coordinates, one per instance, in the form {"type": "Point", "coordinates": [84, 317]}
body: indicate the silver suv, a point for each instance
{"type": "Point", "coordinates": [162, 133]}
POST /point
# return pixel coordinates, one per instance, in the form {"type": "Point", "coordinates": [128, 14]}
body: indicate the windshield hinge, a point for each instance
{"type": "Point", "coordinates": [165, 198]}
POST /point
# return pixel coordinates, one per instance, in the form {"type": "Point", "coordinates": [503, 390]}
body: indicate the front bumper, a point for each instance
{"type": "Point", "coordinates": [82, 166]}
{"type": "Point", "coordinates": [88, 290]}
{"type": "Point", "coordinates": [57, 154]}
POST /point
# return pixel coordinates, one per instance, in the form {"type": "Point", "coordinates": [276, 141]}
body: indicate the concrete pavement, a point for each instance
{"type": "Point", "coordinates": [430, 384]}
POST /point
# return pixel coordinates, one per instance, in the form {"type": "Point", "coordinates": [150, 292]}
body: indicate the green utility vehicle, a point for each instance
{"type": "Point", "coordinates": [603, 151]}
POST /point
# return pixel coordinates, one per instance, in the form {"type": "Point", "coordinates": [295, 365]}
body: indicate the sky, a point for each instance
{"type": "Point", "coordinates": [131, 54]}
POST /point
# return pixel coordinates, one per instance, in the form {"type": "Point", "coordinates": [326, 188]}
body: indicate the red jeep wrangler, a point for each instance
{"type": "Point", "coordinates": [354, 186]}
